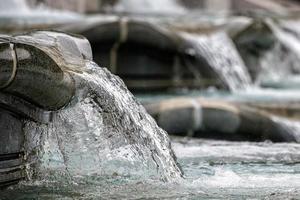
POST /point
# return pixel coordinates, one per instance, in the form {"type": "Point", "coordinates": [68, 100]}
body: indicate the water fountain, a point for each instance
{"type": "Point", "coordinates": [96, 141]}
{"type": "Point", "coordinates": [73, 118]}
{"type": "Point", "coordinates": [152, 55]}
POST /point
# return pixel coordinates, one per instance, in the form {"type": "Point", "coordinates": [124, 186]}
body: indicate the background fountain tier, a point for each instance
{"type": "Point", "coordinates": [151, 56]}
{"type": "Point", "coordinates": [270, 49]}
{"type": "Point", "coordinates": [219, 119]}
{"type": "Point", "coordinates": [154, 53]}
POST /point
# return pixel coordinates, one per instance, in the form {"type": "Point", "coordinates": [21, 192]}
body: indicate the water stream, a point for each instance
{"type": "Point", "coordinates": [220, 52]}
{"type": "Point", "coordinates": [104, 145]}
{"type": "Point", "coordinates": [213, 169]}
{"type": "Point", "coordinates": [104, 131]}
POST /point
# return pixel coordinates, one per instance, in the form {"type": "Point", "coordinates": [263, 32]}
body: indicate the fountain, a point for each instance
{"type": "Point", "coordinates": [153, 55]}
{"type": "Point", "coordinates": [77, 132]}
{"type": "Point", "coordinates": [73, 118]}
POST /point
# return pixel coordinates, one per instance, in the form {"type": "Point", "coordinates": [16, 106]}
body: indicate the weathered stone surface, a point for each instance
{"type": "Point", "coordinates": [42, 61]}
{"type": "Point", "coordinates": [34, 80]}
{"type": "Point", "coordinates": [217, 119]}
{"type": "Point", "coordinates": [11, 144]}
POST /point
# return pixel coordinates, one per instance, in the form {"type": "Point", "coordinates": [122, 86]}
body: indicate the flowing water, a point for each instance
{"type": "Point", "coordinates": [103, 131]}
{"type": "Point", "coordinates": [104, 145]}
{"type": "Point", "coordinates": [221, 54]}
{"type": "Point", "coordinates": [212, 169]}
{"type": "Point", "coordinates": [104, 134]}
{"type": "Point", "coordinates": [282, 60]}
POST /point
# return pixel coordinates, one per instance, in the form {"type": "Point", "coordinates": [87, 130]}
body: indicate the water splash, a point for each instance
{"type": "Point", "coordinates": [221, 54]}
{"type": "Point", "coordinates": [276, 63]}
{"type": "Point", "coordinates": [104, 131]}
{"type": "Point", "coordinates": [239, 167]}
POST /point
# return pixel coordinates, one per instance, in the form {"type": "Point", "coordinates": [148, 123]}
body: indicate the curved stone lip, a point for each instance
{"type": "Point", "coordinates": [50, 42]}
{"type": "Point", "coordinates": [112, 23]}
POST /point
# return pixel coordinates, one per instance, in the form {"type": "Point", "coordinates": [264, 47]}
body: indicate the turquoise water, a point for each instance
{"type": "Point", "coordinates": [212, 169]}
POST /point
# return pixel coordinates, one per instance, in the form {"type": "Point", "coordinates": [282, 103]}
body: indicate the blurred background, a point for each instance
{"type": "Point", "coordinates": [229, 66]}
{"type": "Point", "coordinates": [96, 6]}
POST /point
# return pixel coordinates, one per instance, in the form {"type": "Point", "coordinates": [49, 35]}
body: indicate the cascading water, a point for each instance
{"type": "Point", "coordinates": [94, 146]}
{"type": "Point", "coordinates": [290, 47]}
{"type": "Point", "coordinates": [104, 131]}
{"type": "Point", "coordinates": [220, 53]}
{"type": "Point", "coordinates": [270, 50]}
{"type": "Point", "coordinates": [276, 63]}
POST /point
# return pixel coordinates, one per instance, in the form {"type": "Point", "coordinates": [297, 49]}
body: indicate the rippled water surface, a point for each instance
{"type": "Point", "coordinates": [213, 169]}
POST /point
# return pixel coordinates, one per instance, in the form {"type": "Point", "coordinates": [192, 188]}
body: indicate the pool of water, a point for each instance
{"type": "Point", "coordinates": [212, 169]}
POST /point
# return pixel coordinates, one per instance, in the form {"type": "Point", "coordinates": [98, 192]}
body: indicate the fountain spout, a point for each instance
{"type": "Point", "coordinates": [35, 67]}
{"type": "Point", "coordinates": [34, 80]}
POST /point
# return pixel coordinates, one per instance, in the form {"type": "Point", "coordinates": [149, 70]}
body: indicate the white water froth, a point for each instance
{"type": "Point", "coordinates": [238, 165]}
{"type": "Point", "coordinates": [282, 60]}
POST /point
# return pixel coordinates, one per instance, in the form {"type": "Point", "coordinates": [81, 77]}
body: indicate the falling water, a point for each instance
{"type": "Point", "coordinates": [221, 54]}
{"type": "Point", "coordinates": [104, 131]}
{"type": "Point", "coordinates": [276, 63]}
{"type": "Point", "coordinates": [289, 37]}
{"type": "Point", "coordinates": [282, 59]}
